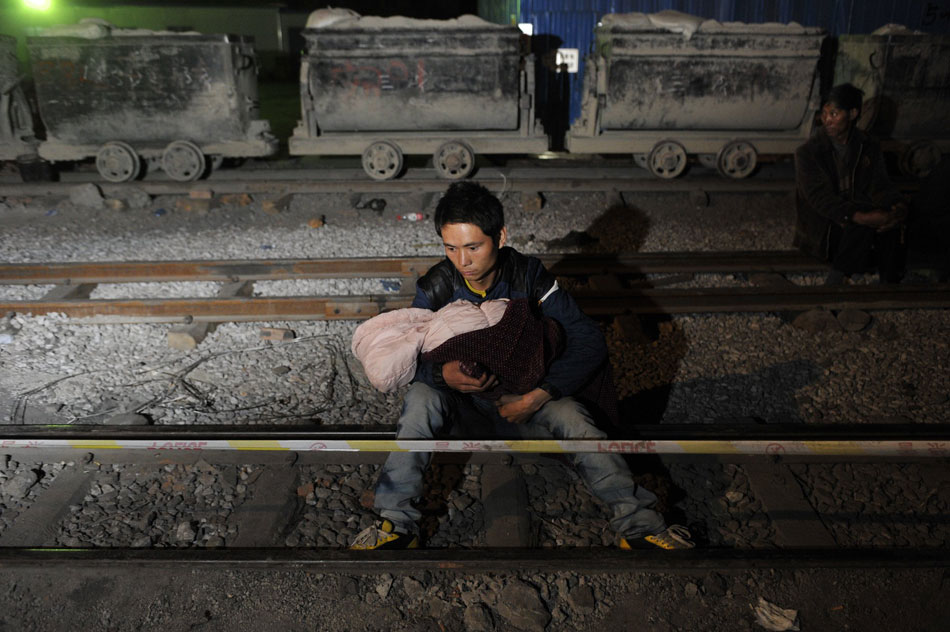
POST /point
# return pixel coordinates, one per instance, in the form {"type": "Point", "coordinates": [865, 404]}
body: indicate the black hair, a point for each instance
{"type": "Point", "coordinates": [846, 97]}
{"type": "Point", "coordinates": [468, 202]}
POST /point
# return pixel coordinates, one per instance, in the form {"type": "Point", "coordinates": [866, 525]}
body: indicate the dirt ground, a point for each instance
{"type": "Point", "coordinates": [60, 599]}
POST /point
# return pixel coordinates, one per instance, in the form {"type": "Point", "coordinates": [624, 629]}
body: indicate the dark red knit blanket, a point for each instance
{"type": "Point", "coordinates": [518, 350]}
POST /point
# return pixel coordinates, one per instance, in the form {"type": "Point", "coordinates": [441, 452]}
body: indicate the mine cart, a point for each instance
{"type": "Point", "coordinates": [667, 86]}
{"type": "Point", "coordinates": [388, 87]}
{"type": "Point", "coordinates": [16, 121]}
{"type": "Point", "coordinates": [905, 77]}
{"type": "Point", "coordinates": [176, 101]}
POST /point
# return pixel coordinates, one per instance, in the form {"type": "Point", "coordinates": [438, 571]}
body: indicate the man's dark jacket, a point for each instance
{"type": "Point", "coordinates": [823, 209]}
{"type": "Point", "coordinates": [520, 276]}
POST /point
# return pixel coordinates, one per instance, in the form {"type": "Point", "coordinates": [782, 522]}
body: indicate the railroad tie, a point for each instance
{"type": "Point", "coordinates": [67, 291]}
{"type": "Point", "coordinates": [505, 497]}
{"type": "Point", "coordinates": [262, 519]}
{"type": "Point", "coordinates": [190, 336]}
{"type": "Point", "coordinates": [796, 522]}
{"type": "Point", "coordinates": [38, 525]}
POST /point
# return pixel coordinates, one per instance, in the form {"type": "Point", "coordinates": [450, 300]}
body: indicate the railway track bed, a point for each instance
{"type": "Point", "coordinates": [680, 368]}
{"type": "Point", "coordinates": [786, 546]}
{"type": "Point", "coordinates": [221, 490]}
{"type": "Point", "coordinates": [608, 293]}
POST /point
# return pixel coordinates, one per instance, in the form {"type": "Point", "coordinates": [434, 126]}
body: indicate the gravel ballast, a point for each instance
{"type": "Point", "coordinates": [699, 368]}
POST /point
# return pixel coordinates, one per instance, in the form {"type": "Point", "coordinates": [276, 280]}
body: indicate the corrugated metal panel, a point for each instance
{"type": "Point", "coordinates": [570, 24]}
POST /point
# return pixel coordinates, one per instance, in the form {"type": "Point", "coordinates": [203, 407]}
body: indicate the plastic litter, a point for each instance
{"type": "Point", "coordinates": [772, 617]}
{"type": "Point", "coordinates": [159, 212]}
{"type": "Point", "coordinates": [51, 212]}
{"type": "Point", "coordinates": [411, 217]}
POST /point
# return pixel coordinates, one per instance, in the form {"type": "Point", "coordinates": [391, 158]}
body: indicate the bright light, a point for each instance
{"type": "Point", "coordinates": [38, 5]}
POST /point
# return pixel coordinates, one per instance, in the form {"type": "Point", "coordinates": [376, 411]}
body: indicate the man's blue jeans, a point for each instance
{"type": "Point", "coordinates": [429, 412]}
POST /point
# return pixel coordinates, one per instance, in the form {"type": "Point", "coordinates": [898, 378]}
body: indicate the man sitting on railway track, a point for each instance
{"type": "Point", "coordinates": [478, 267]}
{"type": "Point", "coordinates": [849, 213]}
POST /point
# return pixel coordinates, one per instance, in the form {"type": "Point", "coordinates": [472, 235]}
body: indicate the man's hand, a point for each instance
{"type": "Point", "coordinates": [872, 219]}
{"type": "Point", "coordinates": [882, 220]}
{"type": "Point", "coordinates": [518, 409]}
{"type": "Point", "coordinates": [896, 216]}
{"type": "Point", "coordinates": [456, 379]}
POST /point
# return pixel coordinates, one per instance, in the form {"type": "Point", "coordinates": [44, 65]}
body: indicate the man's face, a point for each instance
{"type": "Point", "coordinates": [837, 121]}
{"type": "Point", "coordinates": [472, 252]}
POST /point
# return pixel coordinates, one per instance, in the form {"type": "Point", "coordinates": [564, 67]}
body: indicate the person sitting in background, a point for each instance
{"type": "Point", "coordinates": [849, 212]}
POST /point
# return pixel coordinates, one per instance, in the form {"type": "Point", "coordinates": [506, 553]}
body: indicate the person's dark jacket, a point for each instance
{"type": "Point", "coordinates": [520, 276]}
{"type": "Point", "coordinates": [823, 209]}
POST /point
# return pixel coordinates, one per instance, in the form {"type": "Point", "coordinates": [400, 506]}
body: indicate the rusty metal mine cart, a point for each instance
{"type": "Point", "coordinates": [176, 101]}
{"type": "Point", "coordinates": [385, 88]}
{"type": "Point", "coordinates": [905, 77]}
{"type": "Point", "coordinates": [723, 92]}
{"type": "Point", "coordinates": [16, 121]}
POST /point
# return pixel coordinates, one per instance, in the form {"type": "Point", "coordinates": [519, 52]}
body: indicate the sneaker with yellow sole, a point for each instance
{"type": "Point", "coordinates": [674, 537]}
{"type": "Point", "coordinates": [383, 535]}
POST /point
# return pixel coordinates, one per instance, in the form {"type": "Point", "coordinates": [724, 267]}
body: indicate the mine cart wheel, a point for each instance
{"type": "Point", "coordinates": [919, 159]}
{"type": "Point", "coordinates": [117, 162]}
{"type": "Point", "coordinates": [183, 161]}
{"type": "Point", "coordinates": [737, 159]}
{"type": "Point", "coordinates": [708, 161]}
{"type": "Point", "coordinates": [382, 160]}
{"type": "Point", "coordinates": [640, 160]}
{"type": "Point", "coordinates": [667, 159]}
{"type": "Point", "coordinates": [454, 160]}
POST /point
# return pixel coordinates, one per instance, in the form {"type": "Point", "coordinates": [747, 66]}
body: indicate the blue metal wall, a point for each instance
{"type": "Point", "coordinates": [570, 24]}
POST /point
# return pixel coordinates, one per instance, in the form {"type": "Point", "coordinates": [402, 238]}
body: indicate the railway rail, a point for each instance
{"type": "Point", "coordinates": [336, 180]}
{"type": "Point", "coordinates": [838, 443]}
{"type": "Point", "coordinates": [76, 281]}
{"type": "Point", "coordinates": [778, 440]}
{"type": "Point", "coordinates": [383, 267]}
{"type": "Point", "coordinates": [477, 560]}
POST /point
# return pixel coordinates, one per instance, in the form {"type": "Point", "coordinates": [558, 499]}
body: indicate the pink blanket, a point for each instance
{"type": "Point", "coordinates": [388, 345]}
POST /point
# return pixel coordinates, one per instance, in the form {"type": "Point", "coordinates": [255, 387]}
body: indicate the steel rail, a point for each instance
{"type": "Point", "coordinates": [386, 267]}
{"type": "Point", "coordinates": [771, 299]}
{"type": "Point", "coordinates": [604, 303]}
{"type": "Point", "coordinates": [482, 560]}
{"type": "Point", "coordinates": [735, 431]}
{"type": "Point", "coordinates": [281, 182]}
{"type": "Point", "coordinates": [895, 440]}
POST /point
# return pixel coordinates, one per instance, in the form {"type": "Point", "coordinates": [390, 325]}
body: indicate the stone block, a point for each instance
{"type": "Point", "coordinates": [281, 204]}
{"type": "Point", "coordinates": [190, 205]}
{"type": "Point", "coordinates": [236, 199]}
{"type": "Point", "coordinates": [532, 201]}
{"type": "Point", "coordinates": [277, 334]}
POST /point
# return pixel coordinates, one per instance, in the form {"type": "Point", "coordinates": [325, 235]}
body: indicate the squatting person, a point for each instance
{"type": "Point", "coordinates": [849, 213]}
{"type": "Point", "coordinates": [479, 267]}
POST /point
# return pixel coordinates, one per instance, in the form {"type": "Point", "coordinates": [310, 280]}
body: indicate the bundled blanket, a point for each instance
{"type": "Point", "coordinates": [389, 345]}
{"type": "Point", "coordinates": [517, 350]}
{"type": "Point", "coordinates": [504, 337]}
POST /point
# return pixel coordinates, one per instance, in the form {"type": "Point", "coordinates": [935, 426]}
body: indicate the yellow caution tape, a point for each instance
{"type": "Point", "coordinates": [775, 447]}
